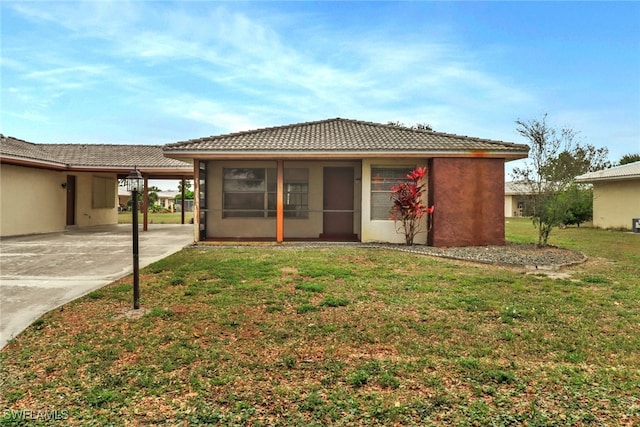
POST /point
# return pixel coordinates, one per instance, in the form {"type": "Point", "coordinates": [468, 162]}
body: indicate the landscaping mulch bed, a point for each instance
{"type": "Point", "coordinates": [512, 254]}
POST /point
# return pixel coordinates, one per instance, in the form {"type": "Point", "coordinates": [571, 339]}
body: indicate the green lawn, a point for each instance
{"type": "Point", "coordinates": [156, 218]}
{"type": "Point", "coordinates": [263, 335]}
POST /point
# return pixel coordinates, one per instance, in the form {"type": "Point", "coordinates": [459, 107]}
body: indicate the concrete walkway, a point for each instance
{"type": "Point", "coordinates": [39, 273]}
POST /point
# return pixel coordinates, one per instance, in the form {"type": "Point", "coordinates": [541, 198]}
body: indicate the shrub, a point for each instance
{"type": "Point", "coordinates": [408, 207]}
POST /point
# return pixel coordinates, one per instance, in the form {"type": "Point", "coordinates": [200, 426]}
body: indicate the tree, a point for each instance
{"type": "Point", "coordinates": [188, 194]}
{"type": "Point", "coordinates": [417, 126]}
{"type": "Point", "coordinates": [576, 161]}
{"type": "Point", "coordinates": [187, 185]}
{"type": "Point", "coordinates": [629, 158]}
{"type": "Point", "coordinates": [153, 197]}
{"type": "Point", "coordinates": [555, 159]}
{"type": "Point", "coordinates": [579, 202]}
{"type": "Point", "coordinates": [408, 207]}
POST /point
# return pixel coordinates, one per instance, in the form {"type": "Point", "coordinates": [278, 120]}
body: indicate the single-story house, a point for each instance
{"type": "Point", "coordinates": [167, 199]}
{"type": "Point", "coordinates": [616, 195]}
{"type": "Point", "coordinates": [516, 200]}
{"type": "Point", "coordinates": [49, 187]}
{"type": "Point", "coordinates": [330, 180]}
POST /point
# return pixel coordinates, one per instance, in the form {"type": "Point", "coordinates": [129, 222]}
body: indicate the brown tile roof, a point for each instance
{"type": "Point", "coordinates": [343, 135]}
{"type": "Point", "coordinates": [17, 148]}
{"type": "Point", "coordinates": [89, 155]}
{"type": "Point", "coordinates": [113, 155]}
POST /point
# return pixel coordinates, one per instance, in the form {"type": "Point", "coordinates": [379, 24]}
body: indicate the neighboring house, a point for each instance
{"type": "Point", "coordinates": [49, 187]}
{"type": "Point", "coordinates": [517, 200]}
{"type": "Point", "coordinates": [166, 199]}
{"type": "Point", "coordinates": [616, 195]}
{"type": "Point", "coordinates": [124, 196]}
{"type": "Point", "coordinates": [330, 180]}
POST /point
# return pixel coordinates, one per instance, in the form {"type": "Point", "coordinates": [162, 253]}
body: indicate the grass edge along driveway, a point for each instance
{"type": "Point", "coordinates": [342, 336]}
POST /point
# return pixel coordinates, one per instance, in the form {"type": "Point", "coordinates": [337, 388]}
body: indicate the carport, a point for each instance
{"type": "Point", "coordinates": [53, 187]}
{"type": "Point", "coordinates": [151, 174]}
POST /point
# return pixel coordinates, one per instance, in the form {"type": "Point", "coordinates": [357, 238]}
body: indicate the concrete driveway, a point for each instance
{"type": "Point", "coordinates": [39, 273]}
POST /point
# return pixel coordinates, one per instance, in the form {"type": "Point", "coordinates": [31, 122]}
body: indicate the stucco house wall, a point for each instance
{"type": "Point", "coordinates": [294, 228]}
{"type": "Point", "coordinates": [510, 206]}
{"type": "Point", "coordinates": [385, 230]}
{"type": "Point", "coordinates": [615, 203]}
{"type": "Point", "coordinates": [364, 227]}
{"type": "Point", "coordinates": [616, 195]}
{"type": "Point", "coordinates": [26, 194]}
{"type": "Point", "coordinates": [86, 214]}
{"type": "Point", "coordinates": [466, 214]}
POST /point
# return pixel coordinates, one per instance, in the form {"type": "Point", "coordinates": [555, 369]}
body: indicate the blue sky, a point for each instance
{"type": "Point", "coordinates": [156, 72]}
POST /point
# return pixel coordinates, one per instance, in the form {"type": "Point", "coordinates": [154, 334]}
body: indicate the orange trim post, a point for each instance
{"type": "Point", "coordinates": [280, 202]}
{"type": "Point", "coordinates": [145, 222]}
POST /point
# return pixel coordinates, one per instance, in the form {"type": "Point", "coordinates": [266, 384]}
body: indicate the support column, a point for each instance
{"type": "Point", "coordinates": [182, 201]}
{"type": "Point", "coordinates": [145, 222]}
{"type": "Point", "coordinates": [196, 200]}
{"type": "Point", "coordinates": [280, 202]}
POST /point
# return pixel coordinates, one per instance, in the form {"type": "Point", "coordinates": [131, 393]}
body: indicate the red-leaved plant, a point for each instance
{"type": "Point", "coordinates": [408, 208]}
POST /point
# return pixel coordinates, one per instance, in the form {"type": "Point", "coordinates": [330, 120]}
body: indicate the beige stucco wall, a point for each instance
{"type": "Point", "coordinates": [384, 230]}
{"type": "Point", "coordinates": [311, 227]}
{"type": "Point", "coordinates": [511, 206]}
{"type": "Point", "coordinates": [86, 214]}
{"type": "Point", "coordinates": [33, 201]}
{"type": "Point", "coordinates": [615, 203]}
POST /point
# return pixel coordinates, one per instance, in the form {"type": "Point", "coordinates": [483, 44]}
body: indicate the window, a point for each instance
{"type": "Point", "coordinates": [382, 178]}
{"type": "Point", "coordinates": [252, 192]}
{"type": "Point", "coordinates": [103, 195]}
{"type": "Point", "coordinates": [243, 193]}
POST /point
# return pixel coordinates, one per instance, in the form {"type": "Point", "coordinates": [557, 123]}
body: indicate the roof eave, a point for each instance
{"type": "Point", "coordinates": [29, 162]}
{"type": "Point", "coordinates": [169, 172]}
{"type": "Point", "coordinates": [259, 154]}
{"type": "Point", "coordinates": [607, 178]}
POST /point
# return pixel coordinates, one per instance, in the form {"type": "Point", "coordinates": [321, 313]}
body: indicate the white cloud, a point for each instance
{"type": "Point", "coordinates": [70, 77]}
{"type": "Point", "coordinates": [245, 72]}
{"type": "Point", "coordinates": [205, 111]}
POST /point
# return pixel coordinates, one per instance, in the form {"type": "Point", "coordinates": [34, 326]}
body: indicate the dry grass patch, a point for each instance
{"type": "Point", "coordinates": [340, 336]}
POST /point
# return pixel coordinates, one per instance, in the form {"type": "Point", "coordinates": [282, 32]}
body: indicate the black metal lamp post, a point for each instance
{"type": "Point", "coordinates": [135, 183]}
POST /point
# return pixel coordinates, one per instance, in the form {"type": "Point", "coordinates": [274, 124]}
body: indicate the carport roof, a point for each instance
{"type": "Point", "coordinates": [344, 137]}
{"type": "Point", "coordinates": [108, 157]}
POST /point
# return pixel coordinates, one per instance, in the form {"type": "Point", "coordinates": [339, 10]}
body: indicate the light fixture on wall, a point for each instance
{"type": "Point", "coordinates": [63, 185]}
